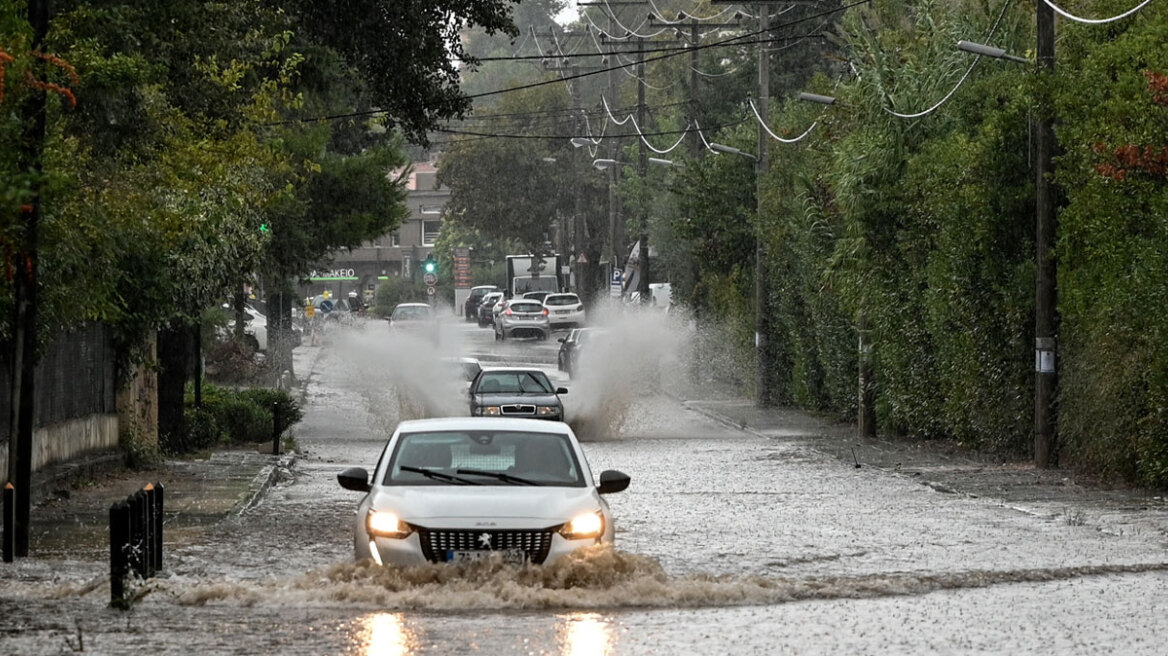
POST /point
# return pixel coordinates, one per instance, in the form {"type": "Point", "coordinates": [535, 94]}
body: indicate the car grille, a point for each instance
{"type": "Point", "coordinates": [436, 542]}
{"type": "Point", "coordinates": [518, 409]}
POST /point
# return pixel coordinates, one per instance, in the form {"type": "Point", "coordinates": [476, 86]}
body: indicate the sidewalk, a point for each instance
{"type": "Point", "coordinates": [70, 513]}
{"type": "Point", "coordinates": [945, 466]}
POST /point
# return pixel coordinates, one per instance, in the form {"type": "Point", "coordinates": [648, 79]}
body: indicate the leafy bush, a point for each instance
{"type": "Point", "coordinates": [243, 420]}
{"type": "Point", "coordinates": [200, 431]}
{"type": "Point", "coordinates": [286, 411]}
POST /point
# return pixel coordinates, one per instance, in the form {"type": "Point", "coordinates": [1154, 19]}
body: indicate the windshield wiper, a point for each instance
{"type": "Point", "coordinates": [429, 473]}
{"type": "Point", "coordinates": [506, 478]}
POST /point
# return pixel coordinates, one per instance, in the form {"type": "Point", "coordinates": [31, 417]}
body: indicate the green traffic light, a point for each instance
{"type": "Point", "coordinates": [431, 266]}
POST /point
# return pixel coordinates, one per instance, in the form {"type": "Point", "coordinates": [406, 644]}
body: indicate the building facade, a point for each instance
{"type": "Point", "coordinates": [392, 255]}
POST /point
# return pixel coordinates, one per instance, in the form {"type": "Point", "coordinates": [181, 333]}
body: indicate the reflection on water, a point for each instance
{"type": "Point", "coordinates": [584, 634]}
{"type": "Point", "coordinates": [386, 634]}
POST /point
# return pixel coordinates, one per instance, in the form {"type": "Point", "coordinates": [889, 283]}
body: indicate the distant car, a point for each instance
{"type": "Point", "coordinates": [414, 318]}
{"type": "Point", "coordinates": [536, 295]}
{"type": "Point", "coordinates": [471, 308]}
{"type": "Point", "coordinates": [460, 489]}
{"type": "Point", "coordinates": [574, 344]}
{"type": "Point", "coordinates": [463, 370]}
{"type": "Point", "coordinates": [522, 318]}
{"type": "Point", "coordinates": [516, 392]}
{"type": "Point", "coordinates": [564, 310]}
{"type": "Point", "coordinates": [486, 311]}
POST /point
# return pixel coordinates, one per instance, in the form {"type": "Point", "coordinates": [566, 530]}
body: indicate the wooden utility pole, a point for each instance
{"type": "Point", "coordinates": [33, 124]}
{"type": "Point", "coordinates": [642, 174]}
{"type": "Point", "coordinates": [1046, 291]}
{"type": "Point", "coordinates": [763, 376]}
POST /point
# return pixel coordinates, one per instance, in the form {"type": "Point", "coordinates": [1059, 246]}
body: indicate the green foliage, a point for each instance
{"type": "Point", "coordinates": [230, 416]}
{"type": "Point", "coordinates": [1113, 273]}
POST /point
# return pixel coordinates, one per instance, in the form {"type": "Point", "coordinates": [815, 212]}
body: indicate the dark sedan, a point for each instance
{"type": "Point", "coordinates": [515, 392]}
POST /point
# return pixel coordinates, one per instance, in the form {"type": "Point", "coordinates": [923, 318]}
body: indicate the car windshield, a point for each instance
{"type": "Point", "coordinates": [514, 382]}
{"type": "Point", "coordinates": [483, 457]}
{"type": "Point", "coordinates": [411, 312]}
{"type": "Point", "coordinates": [561, 300]}
{"type": "Point", "coordinates": [526, 307]}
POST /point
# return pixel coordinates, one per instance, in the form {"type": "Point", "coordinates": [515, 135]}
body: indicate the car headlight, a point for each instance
{"type": "Point", "coordinates": [588, 525]}
{"type": "Point", "coordinates": [547, 411]}
{"type": "Point", "coordinates": [490, 411]}
{"type": "Point", "coordinates": [386, 525]}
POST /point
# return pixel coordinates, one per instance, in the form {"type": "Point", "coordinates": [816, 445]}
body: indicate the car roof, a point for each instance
{"type": "Point", "coordinates": [425, 305]}
{"type": "Point", "coordinates": [523, 300]}
{"type": "Point", "coordinates": [564, 294]}
{"type": "Point", "coordinates": [484, 287]}
{"type": "Point", "coordinates": [490, 369]}
{"type": "Point", "coordinates": [484, 423]}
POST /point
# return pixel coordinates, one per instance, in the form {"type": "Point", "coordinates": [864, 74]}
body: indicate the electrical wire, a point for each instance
{"type": "Point", "coordinates": [685, 15]}
{"type": "Point", "coordinates": [1096, 21]}
{"type": "Point", "coordinates": [960, 82]}
{"type": "Point", "coordinates": [774, 136]}
{"type": "Point", "coordinates": [499, 135]}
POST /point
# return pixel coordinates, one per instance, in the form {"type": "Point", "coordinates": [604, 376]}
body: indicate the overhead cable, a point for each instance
{"type": "Point", "coordinates": [686, 15]}
{"type": "Point", "coordinates": [960, 82]}
{"type": "Point", "coordinates": [1096, 21]}
{"type": "Point", "coordinates": [764, 126]}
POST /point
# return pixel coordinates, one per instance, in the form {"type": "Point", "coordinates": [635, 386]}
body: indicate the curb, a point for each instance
{"type": "Point", "coordinates": [263, 482]}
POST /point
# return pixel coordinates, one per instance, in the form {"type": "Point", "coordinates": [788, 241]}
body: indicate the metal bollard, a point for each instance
{"type": "Point", "coordinates": [148, 531]}
{"type": "Point", "coordinates": [9, 521]}
{"type": "Point", "coordinates": [275, 428]}
{"type": "Point", "coordinates": [158, 520]}
{"type": "Point", "coordinates": [119, 526]}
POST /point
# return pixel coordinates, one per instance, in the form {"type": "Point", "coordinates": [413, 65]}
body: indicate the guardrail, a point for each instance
{"type": "Point", "coordinates": [135, 540]}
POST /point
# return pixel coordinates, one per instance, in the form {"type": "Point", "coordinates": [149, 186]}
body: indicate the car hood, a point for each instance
{"type": "Point", "coordinates": [509, 398]}
{"type": "Point", "coordinates": [502, 506]}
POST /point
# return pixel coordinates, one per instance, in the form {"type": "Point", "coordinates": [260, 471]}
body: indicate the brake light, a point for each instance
{"type": "Point", "coordinates": [507, 312]}
{"type": "Point", "coordinates": [579, 308]}
{"type": "Point", "coordinates": [545, 312]}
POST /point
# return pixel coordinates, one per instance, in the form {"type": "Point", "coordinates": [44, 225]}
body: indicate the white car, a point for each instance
{"type": "Point", "coordinates": [564, 310]}
{"type": "Point", "coordinates": [458, 489]}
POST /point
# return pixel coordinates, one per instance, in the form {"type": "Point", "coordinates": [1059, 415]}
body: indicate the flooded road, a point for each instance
{"type": "Point", "coordinates": [727, 542]}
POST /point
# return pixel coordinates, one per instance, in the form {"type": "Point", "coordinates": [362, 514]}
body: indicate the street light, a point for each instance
{"type": "Point", "coordinates": [989, 51]}
{"type": "Point", "coordinates": [730, 150]}
{"type": "Point", "coordinates": [577, 142]}
{"type": "Point", "coordinates": [817, 98]}
{"type": "Point", "coordinates": [665, 162]}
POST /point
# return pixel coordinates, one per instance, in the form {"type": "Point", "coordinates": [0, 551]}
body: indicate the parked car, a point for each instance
{"type": "Point", "coordinates": [515, 392]}
{"type": "Point", "coordinates": [564, 310]}
{"type": "Point", "coordinates": [460, 489]}
{"type": "Point", "coordinates": [486, 310]}
{"type": "Point", "coordinates": [471, 308]}
{"type": "Point", "coordinates": [537, 295]}
{"type": "Point", "coordinates": [522, 318]}
{"type": "Point", "coordinates": [414, 318]}
{"type": "Point", "coordinates": [574, 344]}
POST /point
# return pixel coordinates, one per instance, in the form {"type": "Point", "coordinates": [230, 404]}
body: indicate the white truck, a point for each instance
{"type": "Point", "coordinates": [529, 273]}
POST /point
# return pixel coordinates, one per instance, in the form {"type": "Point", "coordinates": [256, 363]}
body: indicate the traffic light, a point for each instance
{"type": "Point", "coordinates": [430, 265]}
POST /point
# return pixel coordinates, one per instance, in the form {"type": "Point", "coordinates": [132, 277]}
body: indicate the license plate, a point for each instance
{"type": "Point", "coordinates": [511, 556]}
{"type": "Point", "coordinates": [563, 312]}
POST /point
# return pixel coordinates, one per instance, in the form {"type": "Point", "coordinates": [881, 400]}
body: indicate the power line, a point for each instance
{"type": "Point", "coordinates": [560, 137]}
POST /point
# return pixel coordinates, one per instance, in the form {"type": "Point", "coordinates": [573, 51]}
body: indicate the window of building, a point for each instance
{"type": "Point", "coordinates": [430, 232]}
{"type": "Point", "coordinates": [395, 238]}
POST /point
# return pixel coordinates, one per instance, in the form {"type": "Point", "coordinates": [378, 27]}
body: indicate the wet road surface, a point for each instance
{"type": "Point", "coordinates": [727, 542]}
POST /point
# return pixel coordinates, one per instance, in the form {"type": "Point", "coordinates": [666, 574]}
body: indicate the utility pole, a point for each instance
{"type": "Point", "coordinates": [642, 173]}
{"type": "Point", "coordinates": [1046, 292]}
{"type": "Point", "coordinates": [763, 377]}
{"type": "Point", "coordinates": [25, 282]}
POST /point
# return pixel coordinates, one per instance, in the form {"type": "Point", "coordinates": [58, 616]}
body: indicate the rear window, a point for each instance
{"type": "Point", "coordinates": [562, 300]}
{"type": "Point", "coordinates": [526, 307]}
{"type": "Point", "coordinates": [416, 312]}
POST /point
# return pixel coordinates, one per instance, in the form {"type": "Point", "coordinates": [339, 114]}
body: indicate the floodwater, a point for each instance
{"type": "Point", "coordinates": [727, 542]}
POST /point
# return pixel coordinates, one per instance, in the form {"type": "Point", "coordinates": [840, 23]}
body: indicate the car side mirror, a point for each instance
{"type": "Point", "coordinates": [561, 390]}
{"type": "Point", "coordinates": [357, 479]}
{"type": "Point", "coordinates": [612, 481]}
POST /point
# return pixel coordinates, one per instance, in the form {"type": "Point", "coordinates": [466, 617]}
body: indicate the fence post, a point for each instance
{"type": "Point", "coordinates": [119, 527]}
{"type": "Point", "coordinates": [148, 533]}
{"type": "Point", "coordinates": [158, 519]}
{"type": "Point", "coordinates": [9, 521]}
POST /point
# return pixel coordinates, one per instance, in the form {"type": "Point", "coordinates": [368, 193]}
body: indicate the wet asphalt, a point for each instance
{"type": "Point", "coordinates": [743, 532]}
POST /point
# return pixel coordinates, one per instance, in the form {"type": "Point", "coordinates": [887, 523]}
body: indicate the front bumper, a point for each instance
{"type": "Point", "coordinates": [407, 552]}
